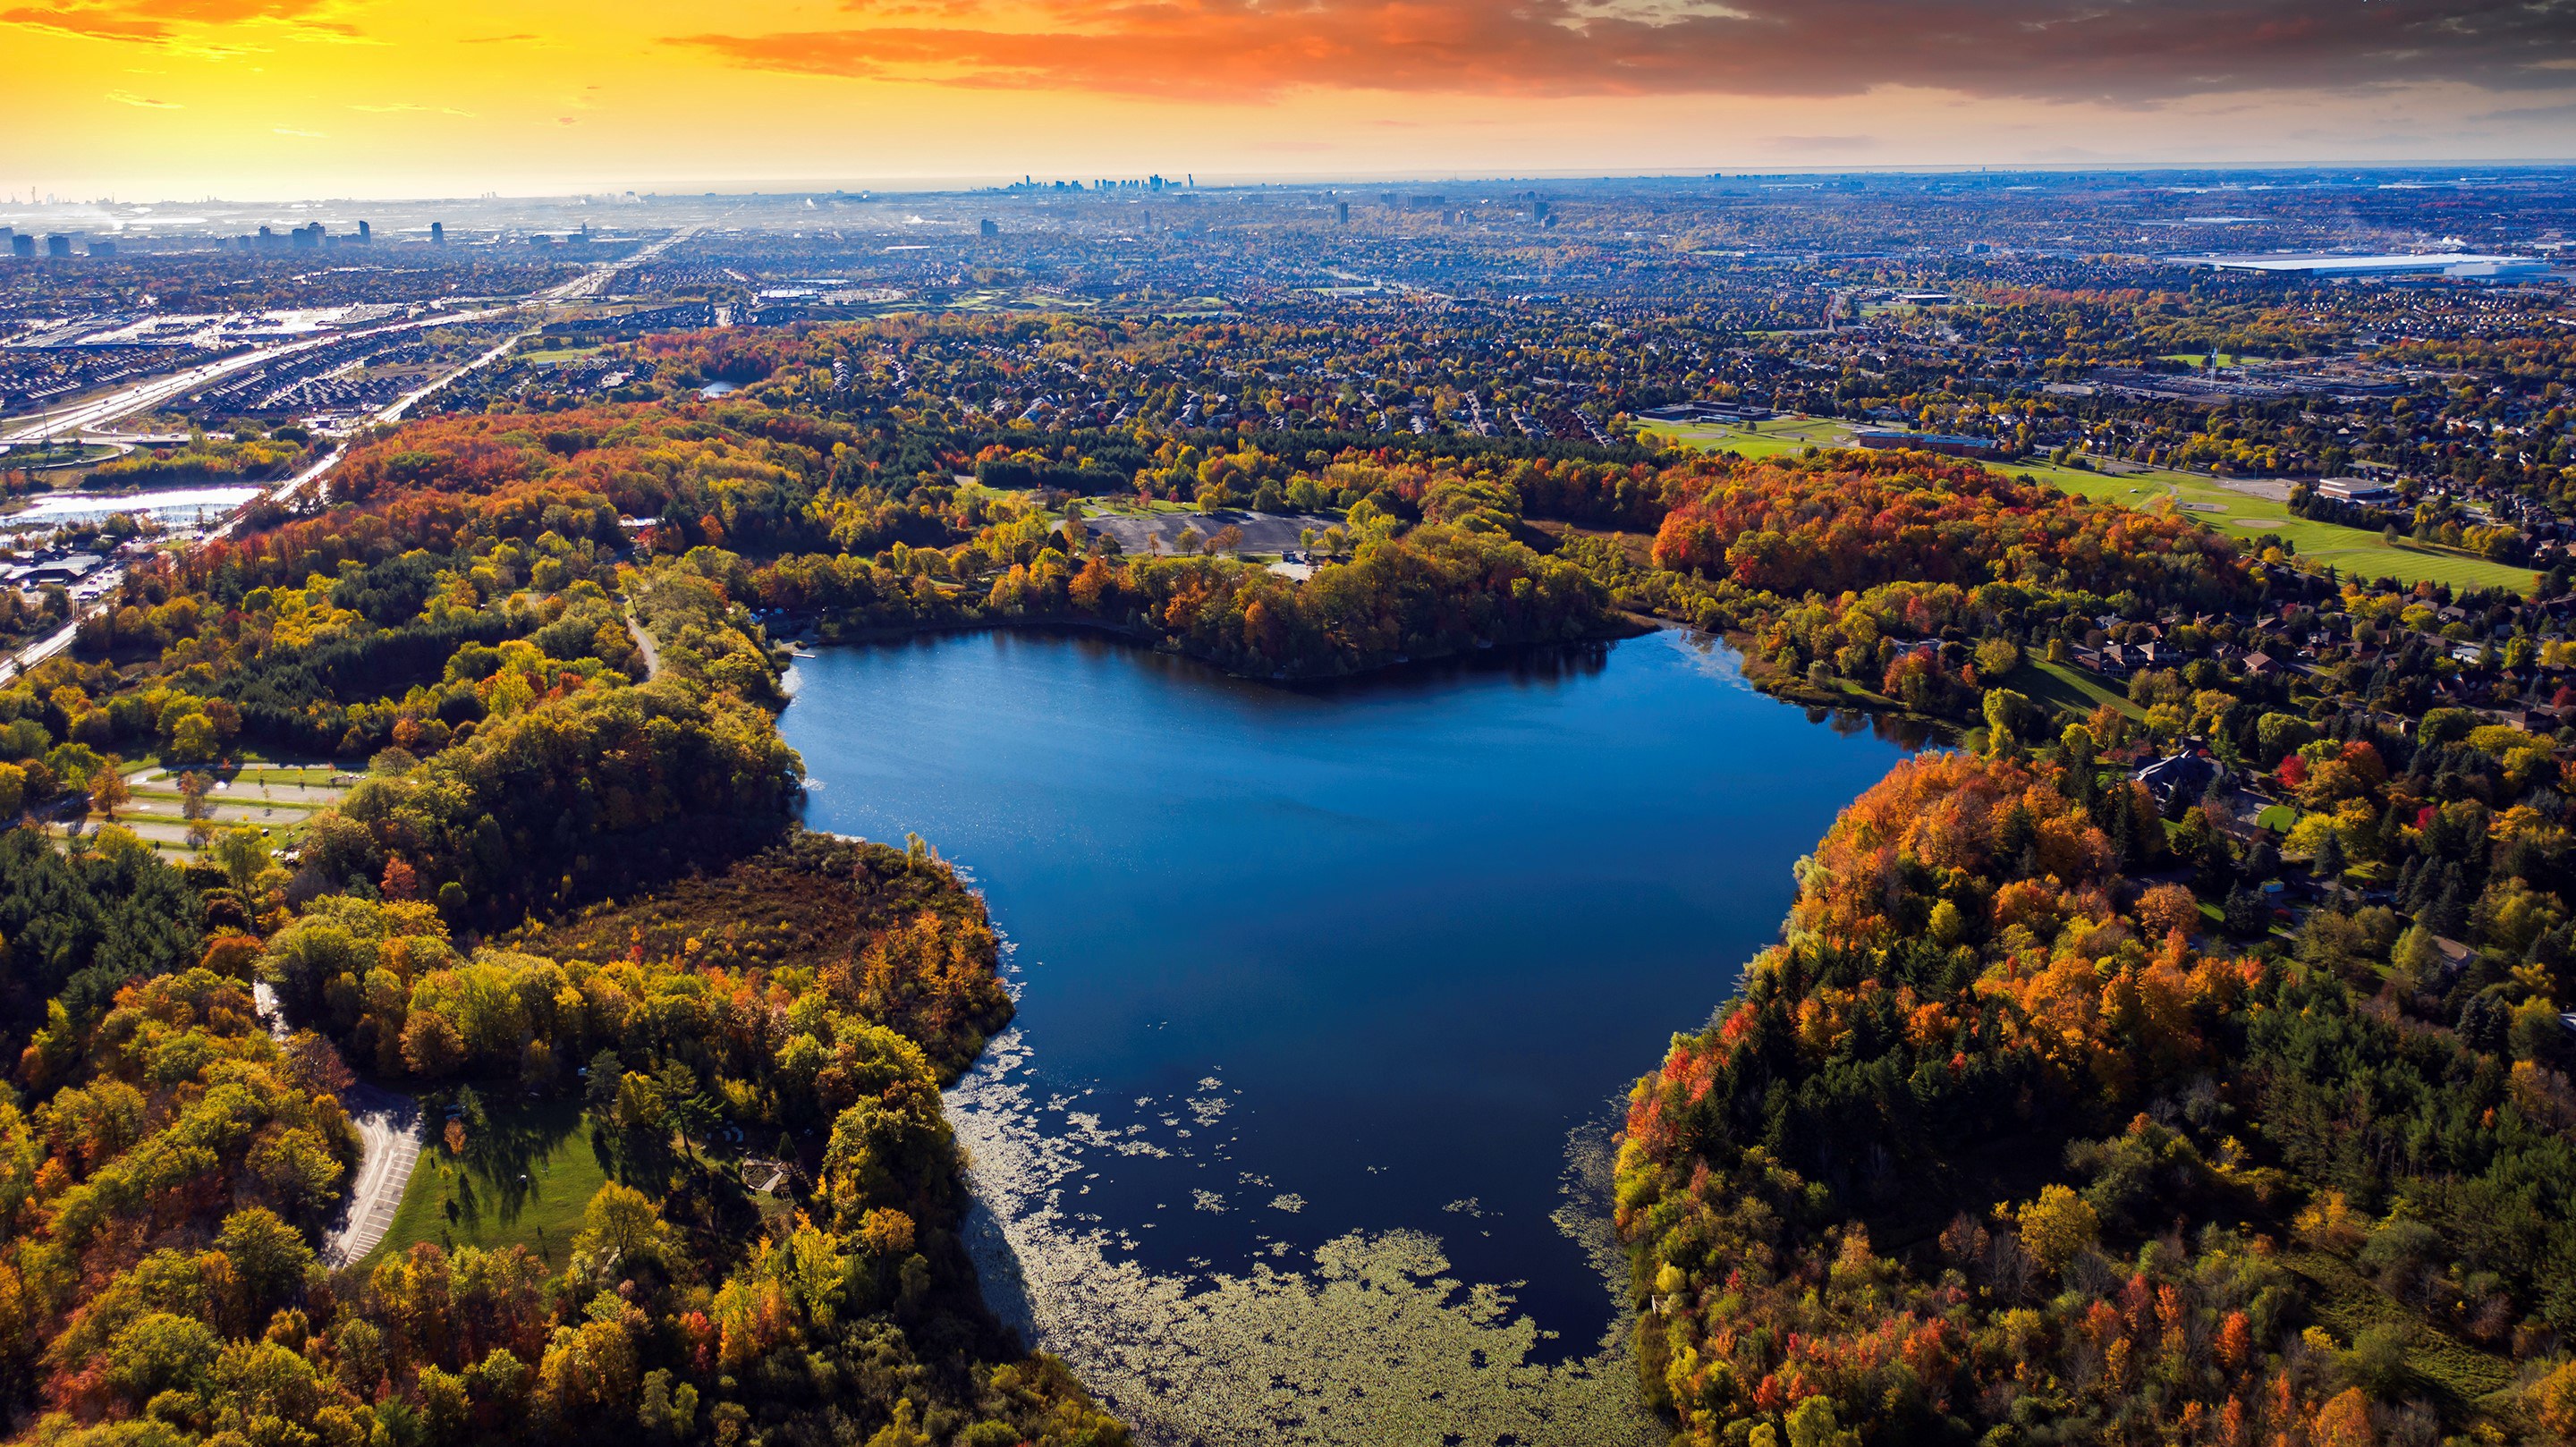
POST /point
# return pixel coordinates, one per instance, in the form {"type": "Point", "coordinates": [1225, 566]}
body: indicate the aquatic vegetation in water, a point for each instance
{"type": "Point", "coordinates": [1367, 1338]}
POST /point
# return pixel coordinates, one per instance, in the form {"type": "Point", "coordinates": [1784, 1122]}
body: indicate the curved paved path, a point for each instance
{"type": "Point", "coordinates": [389, 1135]}
{"type": "Point", "coordinates": [389, 1125]}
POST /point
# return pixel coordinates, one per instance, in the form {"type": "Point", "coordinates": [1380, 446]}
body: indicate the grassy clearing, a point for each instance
{"type": "Point", "coordinates": [2065, 686]}
{"type": "Point", "coordinates": [1784, 436]}
{"type": "Point", "coordinates": [2352, 550]}
{"type": "Point", "coordinates": [523, 1181]}
{"type": "Point", "coordinates": [61, 455]}
{"type": "Point", "coordinates": [1125, 505]}
{"type": "Point", "coordinates": [2215, 505]}
{"type": "Point", "coordinates": [306, 774]}
{"type": "Point", "coordinates": [2349, 1305]}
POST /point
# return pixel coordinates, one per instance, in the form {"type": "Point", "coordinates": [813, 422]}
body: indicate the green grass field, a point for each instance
{"type": "Point", "coordinates": [2064, 686]}
{"type": "Point", "coordinates": [1784, 435]}
{"type": "Point", "coordinates": [63, 454]}
{"type": "Point", "coordinates": [1128, 505]}
{"type": "Point", "coordinates": [253, 775]}
{"type": "Point", "coordinates": [2237, 514]}
{"type": "Point", "coordinates": [2242, 515]}
{"type": "Point", "coordinates": [523, 1181]}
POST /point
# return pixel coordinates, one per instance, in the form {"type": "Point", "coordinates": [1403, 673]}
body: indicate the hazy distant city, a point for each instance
{"type": "Point", "coordinates": [325, 313]}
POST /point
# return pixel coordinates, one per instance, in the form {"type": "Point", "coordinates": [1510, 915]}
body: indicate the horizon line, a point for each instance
{"type": "Point", "coordinates": [953, 184]}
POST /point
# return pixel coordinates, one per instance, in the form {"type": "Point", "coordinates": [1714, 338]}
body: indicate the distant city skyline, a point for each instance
{"type": "Point", "coordinates": [350, 206]}
{"type": "Point", "coordinates": [157, 99]}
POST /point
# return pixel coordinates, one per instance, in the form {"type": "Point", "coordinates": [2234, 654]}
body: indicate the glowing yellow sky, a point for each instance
{"type": "Point", "coordinates": [182, 98]}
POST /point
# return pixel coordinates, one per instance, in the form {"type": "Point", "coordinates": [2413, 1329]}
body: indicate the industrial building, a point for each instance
{"type": "Point", "coordinates": [2360, 490]}
{"type": "Point", "coordinates": [2456, 265]}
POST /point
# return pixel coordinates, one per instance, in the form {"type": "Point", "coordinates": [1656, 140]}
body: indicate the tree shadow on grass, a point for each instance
{"type": "Point", "coordinates": [506, 1156]}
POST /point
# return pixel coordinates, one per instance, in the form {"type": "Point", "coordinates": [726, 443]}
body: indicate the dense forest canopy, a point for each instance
{"type": "Point", "coordinates": [2176, 1055]}
{"type": "Point", "coordinates": [2236, 1196]}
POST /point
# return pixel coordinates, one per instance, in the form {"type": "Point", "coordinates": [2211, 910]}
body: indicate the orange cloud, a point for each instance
{"type": "Point", "coordinates": [157, 22]}
{"type": "Point", "coordinates": [87, 24]}
{"type": "Point", "coordinates": [2046, 49]}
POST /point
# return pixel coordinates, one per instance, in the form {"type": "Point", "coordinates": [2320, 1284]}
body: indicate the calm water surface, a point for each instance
{"type": "Point", "coordinates": [1329, 995]}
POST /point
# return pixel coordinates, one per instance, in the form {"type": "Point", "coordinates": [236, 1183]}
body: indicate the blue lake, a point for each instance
{"type": "Point", "coordinates": [1330, 998]}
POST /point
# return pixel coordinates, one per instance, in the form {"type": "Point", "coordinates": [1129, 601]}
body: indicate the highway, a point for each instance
{"type": "Point", "coordinates": [127, 401]}
{"type": "Point", "coordinates": [100, 411]}
{"type": "Point", "coordinates": [403, 403]}
{"type": "Point", "coordinates": [589, 283]}
{"type": "Point", "coordinates": [288, 490]}
{"type": "Point", "coordinates": [49, 645]}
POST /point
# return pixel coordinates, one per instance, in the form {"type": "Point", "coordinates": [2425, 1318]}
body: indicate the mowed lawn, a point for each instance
{"type": "Point", "coordinates": [2237, 514]}
{"type": "Point", "coordinates": [2352, 550]}
{"type": "Point", "coordinates": [1784, 435]}
{"type": "Point", "coordinates": [523, 1181]}
{"type": "Point", "coordinates": [2068, 687]}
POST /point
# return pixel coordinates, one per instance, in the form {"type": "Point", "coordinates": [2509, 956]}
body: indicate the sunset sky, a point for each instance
{"type": "Point", "coordinates": [153, 99]}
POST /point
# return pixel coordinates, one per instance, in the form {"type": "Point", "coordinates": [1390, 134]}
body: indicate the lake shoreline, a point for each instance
{"type": "Point", "coordinates": [1625, 625]}
{"type": "Point", "coordinates": [1204, 1177]}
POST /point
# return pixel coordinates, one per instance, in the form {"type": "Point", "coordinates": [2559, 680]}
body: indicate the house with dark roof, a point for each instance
{"type": "Point", "coordinates": [2187, 774]}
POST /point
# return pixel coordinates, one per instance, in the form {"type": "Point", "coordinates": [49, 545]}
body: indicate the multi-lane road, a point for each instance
{"type": "Point", "coordinates": [99, 412]}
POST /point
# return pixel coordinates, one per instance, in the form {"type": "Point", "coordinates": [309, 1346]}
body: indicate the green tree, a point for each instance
{"type": "Point", "coordinates": [2057, 1225]}
{"type": "Point", "coordinates": [2280, 735]}
{"type": "Point", "coordinates": [193, 740]}
{"type": "Point", "coordinates": [241, 853]}
{"type": "Point", "coordinates": [269, 1259]}
{"type": "Point", "coordinates": [2008, 714]}
{"type": "Point", "coordinates": [619, 1228]}
{"type": "Point", "coordinates": [1812, 1423]}
{"type": "Point", "coordinates": [684, 1107]}
{"type": "Point", "coordinates": [2330, 863]}
{"type": "Point", "coordinates": [158, 1353]}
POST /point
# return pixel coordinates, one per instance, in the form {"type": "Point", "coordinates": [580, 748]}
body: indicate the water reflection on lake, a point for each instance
{"type": "Point", "coordinates": [1330, 998]}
